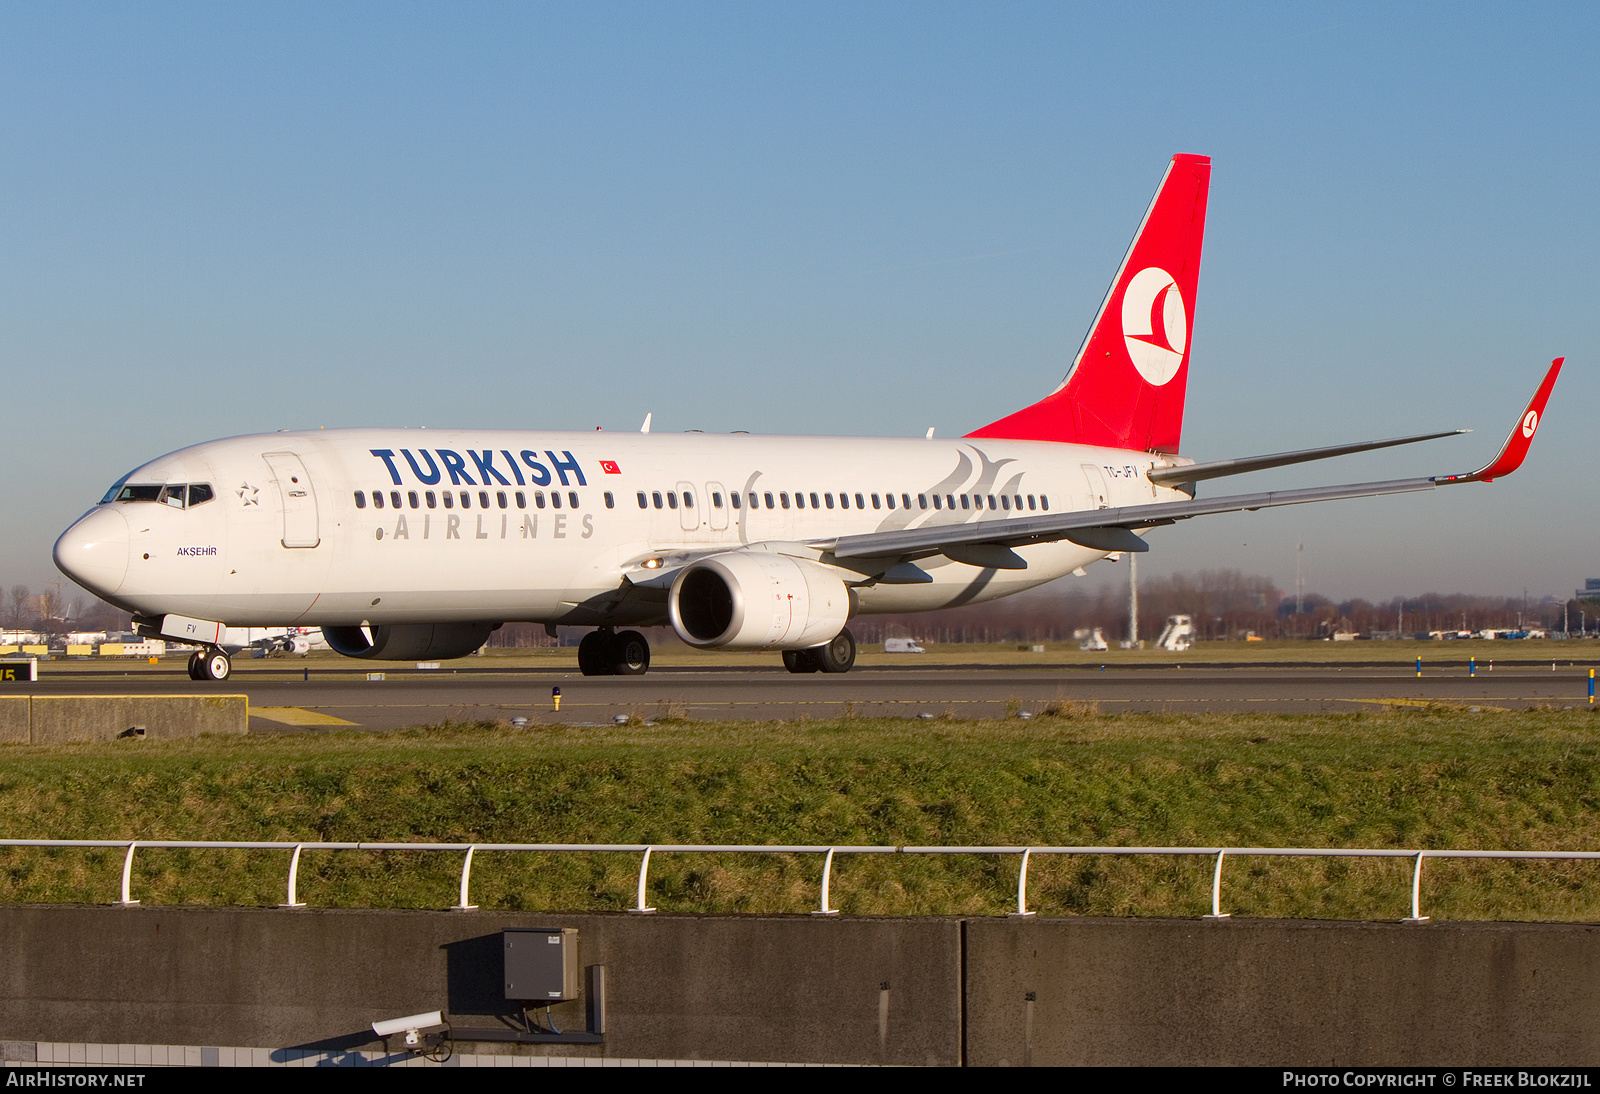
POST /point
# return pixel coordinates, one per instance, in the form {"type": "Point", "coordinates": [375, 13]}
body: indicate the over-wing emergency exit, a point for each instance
{"type": "Point", "coordinates": [403, 544]}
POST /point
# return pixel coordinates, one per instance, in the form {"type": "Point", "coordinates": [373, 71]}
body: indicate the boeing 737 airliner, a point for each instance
{"type": "Point", "coordinates": [406, 544]}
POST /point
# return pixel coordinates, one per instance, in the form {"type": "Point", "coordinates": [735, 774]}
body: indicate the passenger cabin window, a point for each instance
{"type": "Point", "coordinates": [500, 497]}
{"type": "Point", "coordinates": [1030, 502]}
{"type": "Point", "coordinates": [466, 500]}
{"type": "Point", "coordinates": [875, 503]}
{"type": "Point", "coordinates": [361, 499]}
{"type": "Point", "coordinates": [394, 496]}
{"type": "Point", "coordinates": [688, 500]}
{"type": "Point", "coordinates": [449, 500]}
{"type": "Point", "coordinates": [887, 497]}
{"type": "Point", "coordinates": [735, 499]}
{"type": "Point", "coordinates": [768, 496]}
{"type": "Point", "coordinates": [716, 500]}
{"type": "Point", "coordinates": [860, 504]}
{"type": "Point", "coordinates": [964, 502]}
{"type": "Point", "coordinates": [655, 498]}
{"type": "Point", "coordinates": [377, 499]}
{"type": "Point", "coordinates": [799, 500]}
{"type": "Point", "coordinates": [814, 504]}
{"type": "Point", "coordinates": [572, 498]}
{"type": "Point", "coordinates": [611, 502]}
{"type": "Point", "coordinates": [431, 498]}
{"type": "Point", "coordinates": [905, 501]}
{"type": "Point", "coordinates": [411, 497]}
{"type": "Point", "coordinates": [538, 499]}
{"type": "Point", "coordinates": [1005, 502]}
{"type": "Point", "coordinates": [1044, 502]}
{"type": "Point", "coordinates": [672, 499]}
{"type": "Point", "coordinates": [828, 498]}
{"type": "Point", "coordinates": [783, 497]}
{"type": "Point", "coordinates": [922, 501]}
{"type": "Point", "coordinates": [644, 503]}
{"type": "Point", "coordinates": [522, 500]}
{"type": "Point", "coordinates": [483, 499]}
{"type": "Point", "coordinates": [555, 499]}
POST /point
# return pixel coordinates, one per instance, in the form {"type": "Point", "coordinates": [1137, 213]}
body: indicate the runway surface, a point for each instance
{"type": "Point", "coordinates": [283, 701]}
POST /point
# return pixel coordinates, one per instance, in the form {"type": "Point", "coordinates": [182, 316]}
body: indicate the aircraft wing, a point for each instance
{"type": "Point", "coordinates": [1113, 529]}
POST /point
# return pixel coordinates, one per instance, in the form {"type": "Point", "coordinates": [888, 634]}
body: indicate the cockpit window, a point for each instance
{"type": "Point", "coordinates": [179, 495]}
{"type": "Point", "coordinates": [116, 488]}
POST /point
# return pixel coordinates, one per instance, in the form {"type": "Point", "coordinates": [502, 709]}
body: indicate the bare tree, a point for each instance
{"type": "Point", "coordinates": [17, 607]}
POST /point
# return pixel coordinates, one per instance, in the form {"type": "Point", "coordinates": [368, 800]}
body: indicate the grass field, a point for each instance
{"type": "Point", "coordinates": [1428, 777]}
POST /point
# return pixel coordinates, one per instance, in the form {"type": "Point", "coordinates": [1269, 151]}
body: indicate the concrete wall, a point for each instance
{"type": "Point", "coordinates": [15, 719]}
{"type": "Point", "coordinates": [812, 989]}
{"type": "Point", "coordinates": [1286, 992]}
{"type": "Point", "coordinates": [679, 987]}
{"type": "Point", "coordinates": [58, 719]}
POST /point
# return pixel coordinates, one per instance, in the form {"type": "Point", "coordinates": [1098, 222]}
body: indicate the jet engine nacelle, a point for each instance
{"type": "Point", "coordinates": [408, 641]}
{"type": "Point", "coordinates": [756, 601]}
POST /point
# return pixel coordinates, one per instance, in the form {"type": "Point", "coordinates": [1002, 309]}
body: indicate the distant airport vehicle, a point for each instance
{"type": "Point", "coordinates": [902, 645]}
{"type": "Point", "coordinates": [1177, 635]}
{"type": "Point", "coordinates": [409, 544]}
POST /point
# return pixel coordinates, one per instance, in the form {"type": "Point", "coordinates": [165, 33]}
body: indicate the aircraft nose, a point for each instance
{"type": "Point", "coordinates": [94, 551]}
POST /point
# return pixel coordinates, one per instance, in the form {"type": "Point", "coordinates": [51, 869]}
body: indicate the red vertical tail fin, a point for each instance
{"type": "Point", "coordinates": [1125, 388]}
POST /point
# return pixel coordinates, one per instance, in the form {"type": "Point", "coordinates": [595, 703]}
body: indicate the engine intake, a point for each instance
{"type": "Point", "coordinates": [408, 641]}
{"type": "Point", "coordinates": [757, 601]}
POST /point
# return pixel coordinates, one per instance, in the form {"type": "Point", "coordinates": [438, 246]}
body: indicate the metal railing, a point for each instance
{"type": "Point", "coordinates": [828, 852]}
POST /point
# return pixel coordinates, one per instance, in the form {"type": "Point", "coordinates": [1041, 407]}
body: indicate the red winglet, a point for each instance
{"type": "Point", "coordinates": [1516, 447]}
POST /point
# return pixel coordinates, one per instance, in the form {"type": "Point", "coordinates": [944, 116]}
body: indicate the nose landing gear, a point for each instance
{"type": "Point", "coordinates": [214, 664]}
{"type": "Point", "coordinates": [607, 653]}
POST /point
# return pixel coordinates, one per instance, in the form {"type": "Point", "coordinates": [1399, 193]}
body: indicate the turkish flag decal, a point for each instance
{"type": "Point", "coordinates": [610, 467]}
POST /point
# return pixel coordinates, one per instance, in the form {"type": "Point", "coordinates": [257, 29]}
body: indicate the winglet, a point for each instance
{"type": "Point", "coordinates": [1515, 450]}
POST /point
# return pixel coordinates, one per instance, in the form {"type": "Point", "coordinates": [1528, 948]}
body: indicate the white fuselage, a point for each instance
{"type": "Point", "coordinates": [304, 528]}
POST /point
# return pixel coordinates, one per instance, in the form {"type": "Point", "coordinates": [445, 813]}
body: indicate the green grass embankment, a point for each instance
{"type": "Point", "coordinates": [1433, 778]}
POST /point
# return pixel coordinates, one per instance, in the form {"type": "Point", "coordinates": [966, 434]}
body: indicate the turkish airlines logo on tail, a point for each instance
{"type": "Point", "coordinates": [1530, 422]}
{"type": "Point", "coordinates": [1155, 324]}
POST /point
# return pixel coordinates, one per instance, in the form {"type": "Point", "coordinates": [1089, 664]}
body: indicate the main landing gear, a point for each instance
{"type": "Point", "coordinates": [212, 664]}
{"type": "Point", "coordinates": [838, 655]}
{"type": "Point", "coordinates": [608, 653]}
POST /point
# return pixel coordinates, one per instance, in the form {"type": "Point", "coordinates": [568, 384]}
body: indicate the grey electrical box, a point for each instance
{"type": "Point", "coordinates": [541, 964]}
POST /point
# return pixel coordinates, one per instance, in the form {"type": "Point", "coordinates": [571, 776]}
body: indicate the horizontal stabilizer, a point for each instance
{"type": "Point", "coordinates": [1216, 469]}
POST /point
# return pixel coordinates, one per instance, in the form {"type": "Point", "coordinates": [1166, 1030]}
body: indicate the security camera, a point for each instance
{"type": "Point", "coordinates": [411, 1025]}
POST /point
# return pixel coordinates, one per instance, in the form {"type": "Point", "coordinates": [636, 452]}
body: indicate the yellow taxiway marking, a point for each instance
{"type": "Point", "coordinates": [299, 716]}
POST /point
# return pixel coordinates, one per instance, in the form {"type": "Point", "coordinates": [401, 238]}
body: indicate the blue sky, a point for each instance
{"type": "Point", "coordinates": [837, 219]}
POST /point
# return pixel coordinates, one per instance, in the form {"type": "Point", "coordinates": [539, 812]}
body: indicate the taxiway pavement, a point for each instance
{"type": "Point", "coordinates": [322, 699]}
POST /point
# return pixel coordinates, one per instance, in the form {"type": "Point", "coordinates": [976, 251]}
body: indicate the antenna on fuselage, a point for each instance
{"type": "Point", "coordinates": [646, 427]}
